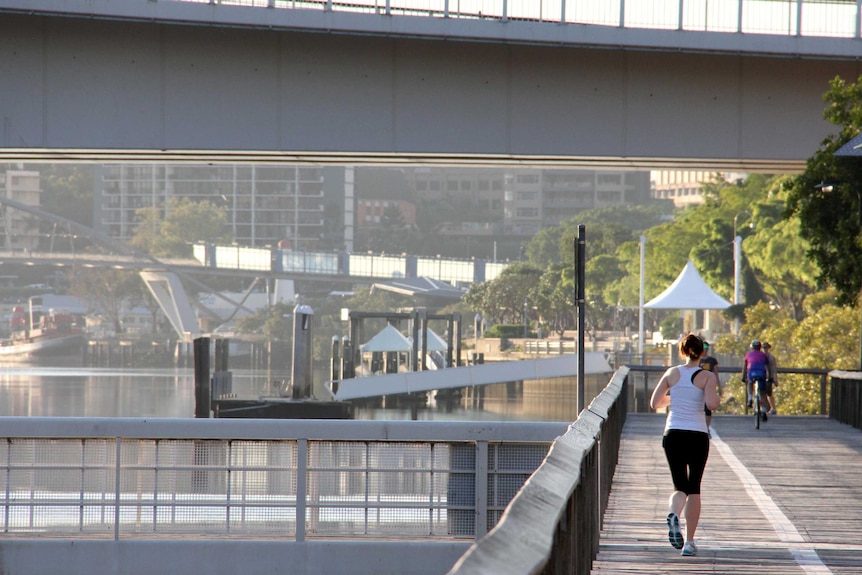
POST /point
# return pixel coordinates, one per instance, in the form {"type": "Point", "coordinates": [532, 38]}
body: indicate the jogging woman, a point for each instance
{"type": "Point", "coordinates": [686, 389]}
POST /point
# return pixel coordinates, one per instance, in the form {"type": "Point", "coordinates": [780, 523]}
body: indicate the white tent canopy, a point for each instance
{"type": "Point", "coordinates": [688, 291]}
{"type": "Point", "coordinates": [435, 342]}
{"type": "Point", "coordinates": [387, 339]}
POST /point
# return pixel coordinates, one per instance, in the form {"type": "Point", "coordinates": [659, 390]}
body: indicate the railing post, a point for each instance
{"type": "Point", "coordinates": [798, 17]}
{"type": "Point", "coordinates": [622, 13]}
{"type": "Point", "coordinates": [739, 16]}
{"type": "Point", "coordinates": [563, 11]}
{"type": "Point", "coordinates": [117, 488]}
{"type": "Point", "coordinates": [481, 499]}
{"type": "Point", "coordinates": [681, 11]}
{"type": "Point", "coordinates": [505, 11]}
{"type": "Point", "coordinates": [822, 394]}
{"type": "Point", "coordinates": [858, 19]}
{"type": "Point", "coordinates": [301, 487]}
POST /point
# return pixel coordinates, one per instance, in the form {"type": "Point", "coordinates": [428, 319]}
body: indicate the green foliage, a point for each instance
{"type": "Point", "coordinates": [506, 330]}
{"type": "Point", "coordinates": [105, 290]}
{"type": "Point", "coordinates": [394, 235]}
{"type": "Point", "coordinates": [504, 298]}
{"type": "Point", "coordinates": [184, 222]}
{"type": "Point", "coordinates": [832, 219]}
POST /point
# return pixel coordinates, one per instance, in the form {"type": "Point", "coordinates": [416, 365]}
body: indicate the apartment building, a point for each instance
{"type": "Point", "coordinates": [266, 204]}
{"type": "Point", "coordinates": [521, 202]}
{"type": "Point", "coordinates": [20, 229]}
{"type": "Point", "coordinates": [684, 187]}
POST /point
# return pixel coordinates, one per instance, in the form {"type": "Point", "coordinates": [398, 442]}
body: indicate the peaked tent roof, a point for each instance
{"type": "Point", "coordinates": [688, 291]}
{"type": "Point", "coordinates": [387, 339]}
{"type": "Point", "coordinates": [435, 342]}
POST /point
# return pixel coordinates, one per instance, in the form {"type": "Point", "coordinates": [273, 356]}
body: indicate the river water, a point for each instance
{"type": "Point", "coordinates": [74, 391]}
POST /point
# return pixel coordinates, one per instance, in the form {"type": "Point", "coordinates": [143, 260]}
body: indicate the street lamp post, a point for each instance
{"type": "Point", "coordinates": [737, 259]}
{"type": "Point", "coordinates": [525, 318]}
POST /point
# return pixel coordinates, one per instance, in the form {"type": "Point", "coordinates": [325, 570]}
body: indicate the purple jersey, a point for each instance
{"type": "Point", "coordinates": [756, 365]}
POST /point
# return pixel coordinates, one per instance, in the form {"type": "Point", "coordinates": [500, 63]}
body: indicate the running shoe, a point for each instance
{"type": "Point", "coordinates": [750, 403]}
{"type": "Point", "coordinates": [764, 416]}
{"type": "Point", "coordinates": [773, 412]}
{"type": "Point", "coordinates": [689, 549]}
{"type": "Point", "coordinates": [674, 535]}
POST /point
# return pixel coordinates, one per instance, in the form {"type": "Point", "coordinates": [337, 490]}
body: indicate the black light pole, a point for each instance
{"type": "Point", "coordinates": [580, 261]}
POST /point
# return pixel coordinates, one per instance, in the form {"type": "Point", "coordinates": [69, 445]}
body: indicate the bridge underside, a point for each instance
{"type": "Point", "coordinates": [103, 90]}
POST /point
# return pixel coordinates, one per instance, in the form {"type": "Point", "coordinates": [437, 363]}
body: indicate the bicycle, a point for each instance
{"type": "Point", "coordinates": [758, 385]}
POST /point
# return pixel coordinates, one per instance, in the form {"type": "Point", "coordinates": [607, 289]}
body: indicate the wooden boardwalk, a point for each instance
{"type": "Point", "coordinates": [784, 499]}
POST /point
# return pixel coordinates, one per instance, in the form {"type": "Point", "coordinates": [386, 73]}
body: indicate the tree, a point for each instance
{"type": "Point", "coordinates": [827, 196]}
{"type": "Point", "coordinates": [106, 290]}
{"type": "Point", "coordinates": [394, 235]}
{"type": "Point", "coordinates": [502, 299]}
{"type": "Point", "coordinates": [183, 223]}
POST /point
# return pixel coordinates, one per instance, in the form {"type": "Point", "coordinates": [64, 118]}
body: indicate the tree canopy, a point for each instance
{"type": "Point", "coordinates": [827, 196]}
{"type": "Point", "coordinates": [183, 222]}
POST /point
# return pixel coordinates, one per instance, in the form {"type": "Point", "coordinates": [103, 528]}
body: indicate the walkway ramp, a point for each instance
{"type": "Point", "coordinates": [783, 499]}
{"type": "Point", "coordinates": [467, 376]}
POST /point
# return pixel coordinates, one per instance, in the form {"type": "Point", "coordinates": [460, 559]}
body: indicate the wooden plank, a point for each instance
{"type": "Point", "coordinates": [809, 467]}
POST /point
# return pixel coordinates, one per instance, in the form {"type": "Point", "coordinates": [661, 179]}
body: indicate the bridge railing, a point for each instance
{"type": "Point", "coordinates": [644, 377]}
{"type": "Point", "coordinates": [845, 398]}
{"type": "Point", "coordinates": [121, 478]}
{"type": "Point", "coordinates": [826, 18]}
{"type": "Point", "coordinates": [328, 263]}
{"type": "Point", "coordinates": [552, 525]}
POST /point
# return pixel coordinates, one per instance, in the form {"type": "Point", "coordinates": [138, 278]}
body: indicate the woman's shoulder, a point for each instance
{"type": "Point", "coordinates": [703, 376]}
{"type": "Point", "coordinates": [672, 374]}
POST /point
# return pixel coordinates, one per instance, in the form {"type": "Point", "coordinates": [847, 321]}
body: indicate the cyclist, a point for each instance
{"type": "Point", "coordinates": [756, 369]}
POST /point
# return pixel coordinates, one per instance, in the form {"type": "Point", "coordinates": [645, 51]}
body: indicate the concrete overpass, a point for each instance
{"type": "Point", "coordinates": [127, 80]}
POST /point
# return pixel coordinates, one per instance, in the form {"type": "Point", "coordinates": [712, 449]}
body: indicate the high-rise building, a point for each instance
{"type": "Point", "coordinates": [266, 204]}
{"type": "Point", "coordinates": [20, 229]}
{"type": "Point", "coordinates": [684, 186]}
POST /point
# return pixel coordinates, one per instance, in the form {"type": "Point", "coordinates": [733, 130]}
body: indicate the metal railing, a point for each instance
{"type": "Point", "coordinates": [845, 398]}
{"type": "Point", "coordinates": [648, 375]}
{"type": "Point", "coordinates": [818, 18]}
{"type": "Point", "coordinates": [549, 347]}
{"type": "Point", "coordinates": [553, 524]}
{"type": "Point", "coordinates": [130, 478]}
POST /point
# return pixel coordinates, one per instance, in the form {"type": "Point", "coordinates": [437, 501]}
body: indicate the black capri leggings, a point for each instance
{"type": "Point", "coordinates": [686, 453]}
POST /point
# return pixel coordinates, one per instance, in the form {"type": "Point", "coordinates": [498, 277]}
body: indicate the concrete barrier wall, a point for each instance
{"type": "Point", "coordinates": [220, 557]}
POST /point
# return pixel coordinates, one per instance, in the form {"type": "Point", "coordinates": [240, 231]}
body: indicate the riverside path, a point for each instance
{"type": "Point", "coordinates": [786, 498]}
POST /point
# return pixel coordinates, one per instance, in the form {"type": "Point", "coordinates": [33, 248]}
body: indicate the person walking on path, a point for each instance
{"type": "Point", "coordinates": [709, 363]}
{"type": "Point", "coordinates": [685, 389]}
{"type": "Point", "coordinates": [773, 377]}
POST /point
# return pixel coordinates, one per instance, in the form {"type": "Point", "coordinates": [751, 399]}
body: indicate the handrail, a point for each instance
{"type": "Point", "coordinates": [643, 391]}
{"type": "Point", "coordinates": [788, 17]}
{"type": "Point", "coordinates": [552, 525]}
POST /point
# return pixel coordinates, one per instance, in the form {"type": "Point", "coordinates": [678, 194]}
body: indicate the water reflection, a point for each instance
{"type": "Point", "coordinates": [56, 391]}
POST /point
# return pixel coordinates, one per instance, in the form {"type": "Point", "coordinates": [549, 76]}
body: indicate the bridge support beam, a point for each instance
{"type": "Point", "coordinates": [169, 292]}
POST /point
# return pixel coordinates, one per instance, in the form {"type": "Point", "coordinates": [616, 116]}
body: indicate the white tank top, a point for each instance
{"type": "Point", "coordinates": [686, 403]}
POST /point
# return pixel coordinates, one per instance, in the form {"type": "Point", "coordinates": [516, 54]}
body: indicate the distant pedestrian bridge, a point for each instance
{"type": "Point", "coordinates": [309, 263]}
